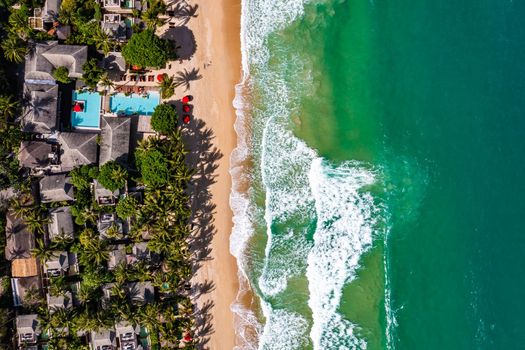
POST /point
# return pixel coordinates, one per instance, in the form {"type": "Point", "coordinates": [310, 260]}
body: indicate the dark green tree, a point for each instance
{"type": "Point", "coordinates": [164, 118]}
{"type": "Point", "coordinates": [61, 74]}
{"type": "Point", "coordinates": [112, 176]}
{"type": "Point", "coordinates": [145, 49]}
{"type": "Point", "coordinates": [92, 73]}
{"type": "Point", "coordinates": [154, 168]}
{"type": "Point", "coordinates": [126, 207]}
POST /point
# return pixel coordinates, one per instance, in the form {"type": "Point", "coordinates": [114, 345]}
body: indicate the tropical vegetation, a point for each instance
{"type": "Point", "coordinates": [164, 118]}
{"type": "Point", "coordinates": [145, 49]}
{"type": "Point", "coordinates": [61, 74]}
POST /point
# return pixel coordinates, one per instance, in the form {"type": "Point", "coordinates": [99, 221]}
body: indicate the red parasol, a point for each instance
{"type": "Point", "coordinates": [135, 67]}
{"type": "Point", "coordinates": [160, 77]}
{"type": "Point", "coordinates": [186, 108]}
{"type": "Point", "coordinates": [186, 119]}
{"type": "Point", "coordinates": [187, 337]}
{"type": "Point", "coordinates": [77, 108]}
{"type": "Point", "coordinates": [186, 99]}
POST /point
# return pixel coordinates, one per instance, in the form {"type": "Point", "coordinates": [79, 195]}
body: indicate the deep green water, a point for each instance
{"type": "Point", "coordinates": [430, 96]}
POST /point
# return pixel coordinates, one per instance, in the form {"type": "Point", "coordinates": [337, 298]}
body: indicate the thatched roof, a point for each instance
{"type": "Point", "coordinates": [115, 140]}
{"type": "Point", "coordinates": [24, 267]}
{"type": "Point", "coordinates": [19, 239]}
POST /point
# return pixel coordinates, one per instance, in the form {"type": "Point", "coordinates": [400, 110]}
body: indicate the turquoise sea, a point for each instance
{"type": "Point", "coordinates": [378, 182]}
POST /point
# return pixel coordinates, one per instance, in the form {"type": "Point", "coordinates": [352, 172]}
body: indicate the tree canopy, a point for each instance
{"type": "Point", "coordinates": [126, 207]}
{"type": "Point", "coordinates": [92, 73]}
{"type": "Point", "coordinates": [145, 49]}
{"type": "Point", "coordinates": [154, 167]}
{"type": "Point", "coordinates": [112, 176]}
{"type": "Point", "coordinates": [61, 74]}
{"type": "Point", "coordinates": [164, 118]}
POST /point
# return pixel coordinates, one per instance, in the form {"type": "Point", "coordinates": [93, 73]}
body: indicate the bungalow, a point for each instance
{"type": "Point", "coordinates": [114, 26]}
{"type": "Point", "coordinates": [103, 340]}
{"type": "Point", "coordinates": [26, 290]}
{"type": "Point", "coordinates": [109, 221]}
{"type": "Point", "coordinates": [61, 223]}
{"type": "Point", "coordinates": [122, 6]}
{"type": "Point", "coordinates": [115, 140]}
{"type": "Point", "coordinates": [56, 302]}
{"type": "Point", "coordinates": [27, 329]}
{"type": "Point", "coordinates": [56, 188]}
{"type": "Point", "coordinates": [126, 335]}
{"type": "Point", "coordinates": [140, 292]}
{"type": "Point", "coordinates": [57, 265]}
{"type": "Point", "coordinates": [103, 196]}
{"type": "Point", "coordinates": [114, 65]}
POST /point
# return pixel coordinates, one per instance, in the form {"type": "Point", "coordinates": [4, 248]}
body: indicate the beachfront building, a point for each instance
{"type": "Point", "coordinates": [57, 265]}
{"type": "Point", "coordinates": [115, 137]}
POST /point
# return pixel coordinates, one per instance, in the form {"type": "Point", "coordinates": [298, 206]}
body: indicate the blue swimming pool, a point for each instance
{"type": "Point", "coordinates": [134, 104]}
{"type": "Point", "coordinates": [89, 118]}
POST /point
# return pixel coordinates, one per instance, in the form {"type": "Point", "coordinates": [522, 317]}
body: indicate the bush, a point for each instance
{"type": "Point", "coordinates": [154, 168]}
{"type": "Point", "coordinates": [112, 176]}
{"type": "Point", "coordinates": [164, 118]}
{"type": "Point", "coordinates": [145, 49]}
{"type": "Point", "coordinates": [92, 73]}
{"type": "Point", "coordinates": [126, 207]}
{"type": "Point", "coordinates": [81, 177]}
{"type": "Point", "coordinates": [61, 74]}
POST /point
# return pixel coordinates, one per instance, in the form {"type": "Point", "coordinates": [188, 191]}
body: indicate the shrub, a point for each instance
{"type": "Point", "coordinates": [164, 118]}
{"type": "Point", "coordinates": [145, 49]}
{"type": "Point", "coordinates": [154, 168]}
{"type": "Point", "coordinates": [61, 74]}
{"type": "Point", "coordinates": [92, 73]}
{"type": "Point", "coordinates": [112, 176]}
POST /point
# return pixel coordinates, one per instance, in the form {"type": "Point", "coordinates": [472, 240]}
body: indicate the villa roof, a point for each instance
{"type": "Point", "coordinates": [114, 30]}
{"type": "Point", "coordinates": [117, 256]}
{"type": "Point", "coordinates": [40, 112]}
{"type": "Point", "coordinates": [59, 302]}
{"type": "Point", "coordinates": [49, 55]}
{"type": "Point", "coordinates": [140, 292]}
{"type": "Point", "coordinates": [34, 154]}
{"type": "Point", "coordinates": [77, 149]}
{"type": "Point", "coordinates": [58, 262]}
{"type": "Point", "coordinates": [61, 223]}
{"type": "Point", "coordinates": [114, 61]}
{"type": "Point", "coordinates": [21, 286]}
{"type": "Point", "coordinates": [19, 239]}
{"type": "Point", "coordinates": [115, 140]}
{"type": "Point", "coordinates": [56, 188]}
{"type": "Point", "coordinates": [24, 267]}
{"type": "Point", "coordinates": [103, 338]}
{"type": "Point", "coordinates": [27, 324]}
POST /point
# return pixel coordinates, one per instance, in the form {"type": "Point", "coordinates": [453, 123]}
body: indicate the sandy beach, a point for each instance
{"type": "Point", "coordinates": [217, 56]}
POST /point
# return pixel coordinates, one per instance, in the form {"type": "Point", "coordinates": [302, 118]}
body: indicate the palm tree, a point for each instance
{"type": "Point", "coordinates": [106, 83]}
{"type": "Point", "coordinates": [41, 252]}
{"type": "Point", "coordinates": [103, 41]}
{"type": "Point", "coordinates": [14, 49]}
{"type": "Point", "coordinates": [167, 86]}
{"type": "Point", "coordinates": [151, 15]}
{"type": "Point", "coordinates": [93, 255]}
{"type": "Point", "coordinates": [8, 108]}
{"type": "Point", "coordinates": [119, 175]}
{"type": "Point", "coordinates": [19, 24]}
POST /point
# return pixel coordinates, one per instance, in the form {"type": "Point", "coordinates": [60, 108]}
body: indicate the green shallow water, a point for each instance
{"type": "Point", "coordinates": [431, 96]}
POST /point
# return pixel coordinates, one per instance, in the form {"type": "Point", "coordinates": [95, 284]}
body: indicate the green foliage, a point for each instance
{"type": "Point", "coordinates": [9, 109]}
{"type": "Point", "coordinates": [151, 15]}
{"type": "Point", "coordinates": [92, 73]}
{"type": "Point", "coordinates": [154, 168]}
{"type": "Point", "coordinates": [9, 143]}
{"type": "Point", "coordinates": [145, 49]}
{"type": "Point", "coordinates": [61, 74]}
{"type": "Point", "coordinates": [82, 176]}
{"type": "Point", "coordinates": [112, 176]}
{"type": "Point", "coordinates": [126, 207]}
{"type": "Point", "coordinates": [164, 118]}
{"type": "Point", "coordinates": [14, 48]}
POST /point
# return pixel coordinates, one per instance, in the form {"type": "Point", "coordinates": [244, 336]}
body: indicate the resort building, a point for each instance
{"type": "Point", "coordinates": [60, 224]}
{"type": "Point", "coordinates": [77, 149]}
{"type": "Point", "coordinates": [39, 156]}
{"type": "Point", "coordinates": [126, 336]}
{"type": "Point", "coordinates": [19, 238]}
{"type": "Point", "coordinates": [27, 329]}
{"type": "Point", "coordinates": [114, 27]}
{"type": "Point", "coordinates": [123, 6]}
{"type": "Point", "coordinates": [26, 290]}
{"type": "Point", "coordinates": [103, 340]}
{"type": "Point", "coordinates": [44, 17]}
{"type": "Point", "coordinates": [103, 196]}
{"type": "Point", "coordinates": [57, 265]}
{"type": "Point", "coordinates": [56, 302]}
{"type": "Point", "coordinates": [109, 226]}
{"type": "Point", "coordinates": [140, 292]}
{"type": "Point", "coordinates": [117, 256]}
{"type": "Point", "coordinates": [40, 88]}
{"type": "Point", "coordinates": [56, 188]}
{"type": "Point", "coordinates": [115, 135]}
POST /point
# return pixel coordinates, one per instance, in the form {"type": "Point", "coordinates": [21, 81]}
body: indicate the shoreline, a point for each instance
{"type": "Point", "coordinates": [216, 31]}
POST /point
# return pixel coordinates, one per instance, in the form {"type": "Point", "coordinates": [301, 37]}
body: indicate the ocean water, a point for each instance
{"type": "Point", "coordinates": [378, 179]}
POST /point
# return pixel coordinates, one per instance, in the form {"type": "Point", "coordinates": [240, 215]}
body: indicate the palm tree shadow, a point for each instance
{"type": "Point", "coordinates": [184, 39]}
{"type": "Point", "coordinates": [186, 77]}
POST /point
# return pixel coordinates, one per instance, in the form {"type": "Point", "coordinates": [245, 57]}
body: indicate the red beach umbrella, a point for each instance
{"type": "Point", "coordinates": [160, 77]}
{"type": "Point", "coordinates": [187, 337]}
{"type": "Point", "coordinates": [77, 108]}
{"type": "Point", "coordinates": [186, 119]}
{"type": "Point", "coordinates": [187, 99]}
{"type": "Point", "coordinates": [186, 108]}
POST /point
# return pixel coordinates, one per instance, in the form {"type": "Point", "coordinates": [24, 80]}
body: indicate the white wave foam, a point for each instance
{"type": "Point", "coordinates": [284, 330]}
{"type": "Point", "coordinates": [344, 232]}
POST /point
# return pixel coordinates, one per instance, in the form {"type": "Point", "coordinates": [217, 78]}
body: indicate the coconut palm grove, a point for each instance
{"type": "Point", "coordinates": [95, 179]}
